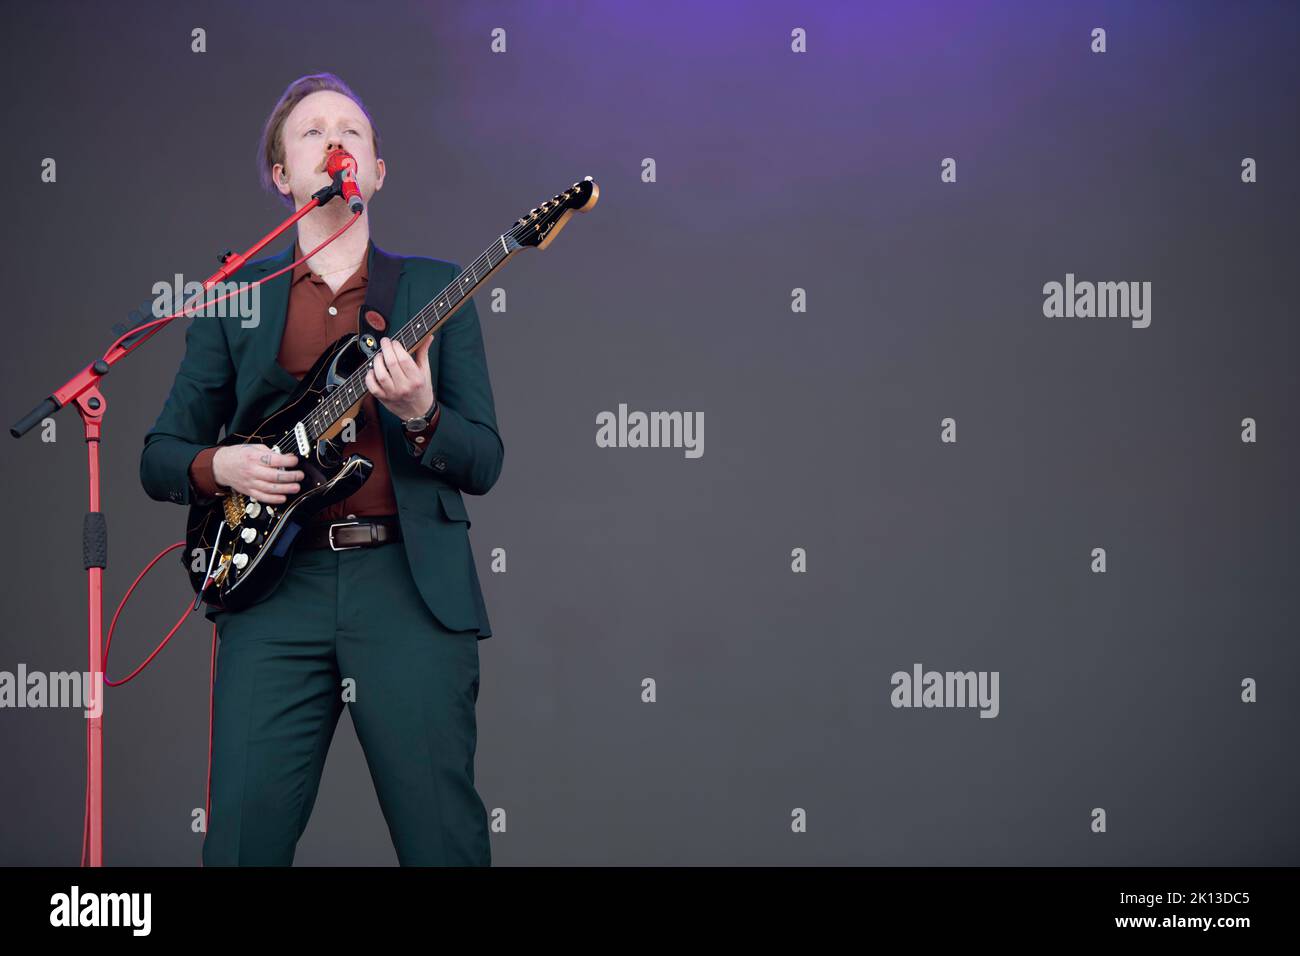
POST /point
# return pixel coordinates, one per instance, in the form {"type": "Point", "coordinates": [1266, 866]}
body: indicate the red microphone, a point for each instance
{"type": "Point", "coordinates": [341, 159]}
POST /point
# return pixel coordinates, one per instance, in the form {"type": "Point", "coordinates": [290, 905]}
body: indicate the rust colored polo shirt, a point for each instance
{"type": "Point", "coordinates": [317, 316]}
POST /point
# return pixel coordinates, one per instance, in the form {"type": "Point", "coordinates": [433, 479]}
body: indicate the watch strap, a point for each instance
{"type": "Point", "coordinates": [421, 422]}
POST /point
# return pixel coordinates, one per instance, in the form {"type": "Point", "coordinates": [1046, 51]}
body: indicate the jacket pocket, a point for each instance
{"type": "Point", "coordinates": [453, 507]}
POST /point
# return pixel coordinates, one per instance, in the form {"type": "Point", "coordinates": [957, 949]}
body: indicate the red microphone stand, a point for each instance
{"type": "Point", "coordinates": [83, 390]}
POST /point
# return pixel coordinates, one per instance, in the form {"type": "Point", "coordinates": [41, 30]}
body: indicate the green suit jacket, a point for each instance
{"type": "Point", "coordinates": [230, 379]}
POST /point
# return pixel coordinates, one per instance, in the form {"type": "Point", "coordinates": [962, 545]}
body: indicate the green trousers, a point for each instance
{"type": "Point", "coordinates": [344, 627]}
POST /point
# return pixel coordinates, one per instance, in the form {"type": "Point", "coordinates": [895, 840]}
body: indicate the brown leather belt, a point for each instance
{"type": "Point", "coordinates": [351, 533]}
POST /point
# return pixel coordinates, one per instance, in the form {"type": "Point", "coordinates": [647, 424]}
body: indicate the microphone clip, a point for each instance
{"type": "Point", "coordinates": [326, 193]}
{"type": "Point", "coordinates": [335, 188]}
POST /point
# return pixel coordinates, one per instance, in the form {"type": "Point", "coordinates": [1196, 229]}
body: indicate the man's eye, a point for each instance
{"type": "Point", "coordinates": [310, 131]}
{"type": "Point", "coordinates": [352, 131]}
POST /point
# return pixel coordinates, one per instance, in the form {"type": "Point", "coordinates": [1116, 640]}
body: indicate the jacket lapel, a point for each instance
{"type": "Point", "coordinates": [274, 310]}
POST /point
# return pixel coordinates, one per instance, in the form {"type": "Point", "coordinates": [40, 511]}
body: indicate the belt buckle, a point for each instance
{"type": "Point", "coordinates": [330, 535]}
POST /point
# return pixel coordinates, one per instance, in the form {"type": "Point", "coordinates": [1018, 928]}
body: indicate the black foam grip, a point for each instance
{"type": "Point", "coordinates": [34, 417]}
{"type": "Point", "coordinates": [94, 541]}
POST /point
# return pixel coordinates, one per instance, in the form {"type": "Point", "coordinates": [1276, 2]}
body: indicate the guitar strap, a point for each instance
{"type": "Point", "coordinates": [376, 314]}
{"type": "Point", "coordinates": [375, 317]}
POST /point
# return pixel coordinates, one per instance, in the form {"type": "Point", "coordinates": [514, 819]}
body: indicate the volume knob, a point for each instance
{"type": "Point", "coordinates": [253, 509]}
{"type": "Point", "coordinates": [248, 534]}
{"type": "Point", "coordinates": [239, 560]}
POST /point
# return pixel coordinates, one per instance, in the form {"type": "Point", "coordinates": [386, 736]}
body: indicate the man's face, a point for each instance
{"type": "Point", "coordinates": [321, 122]}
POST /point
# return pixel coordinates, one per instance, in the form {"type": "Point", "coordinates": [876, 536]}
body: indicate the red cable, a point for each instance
{"type": "Point", "coordinates": [185, 308]}
{"type": "Point", "coordinates": [108, 641]}
{"type": "Point", "coordinates": [212, 699]}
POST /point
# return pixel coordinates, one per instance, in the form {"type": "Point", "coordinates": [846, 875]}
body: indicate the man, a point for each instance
{"type": "Point", "coordinates": [383, 611]}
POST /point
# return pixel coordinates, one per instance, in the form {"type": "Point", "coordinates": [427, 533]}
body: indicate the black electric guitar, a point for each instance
{"type": "Point", "coordinates": [244, 545]}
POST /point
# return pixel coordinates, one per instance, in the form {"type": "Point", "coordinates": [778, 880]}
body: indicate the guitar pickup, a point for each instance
{"type": "Point", "coordinates": [300, 436]}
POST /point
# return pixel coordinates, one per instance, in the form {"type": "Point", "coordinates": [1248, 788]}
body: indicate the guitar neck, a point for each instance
{"type": "Point", "coordinates": [457, 293]}
{"type": "Point", "coordinates": [421, 325]}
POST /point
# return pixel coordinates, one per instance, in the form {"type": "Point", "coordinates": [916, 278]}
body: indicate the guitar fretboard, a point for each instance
{"type": "Point", "coordinates": [334, 408]}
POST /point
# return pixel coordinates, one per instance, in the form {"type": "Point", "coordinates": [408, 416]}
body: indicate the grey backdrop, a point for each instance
{"type": "Point", "coordinates": [775, 170]}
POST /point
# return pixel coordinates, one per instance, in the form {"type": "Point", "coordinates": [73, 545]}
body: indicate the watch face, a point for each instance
{"type": "Point", "coordinates": [416, 425]}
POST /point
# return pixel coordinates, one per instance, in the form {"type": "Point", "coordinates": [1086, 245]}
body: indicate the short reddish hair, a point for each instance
{"type": "Point", "coordinates": [270, 151]}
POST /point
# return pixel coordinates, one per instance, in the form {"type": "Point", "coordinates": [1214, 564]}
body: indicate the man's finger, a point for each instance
{"type": "Point", "coordinates": [422, 353]}
{"type": "Point", "coordinates": [275, 476]}
{"type": "Point", "coordinates": [265, 498]}
{"type": "Point", "coordinates": [274, 488]}
{"type": "Point", "coordinates": [410, 373]}
{"type": "Point", "coordinates": [397, 368]}
{"type": "Point", "coordinates": [263, 455]}
{"type": "Point", "coordinates": [404, 361]}
{"type": "Point", "coordinates": [380, 371]}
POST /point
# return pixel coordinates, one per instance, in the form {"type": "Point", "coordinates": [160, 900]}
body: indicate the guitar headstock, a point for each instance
{"type": "Point", "coordinates": [544, 222]}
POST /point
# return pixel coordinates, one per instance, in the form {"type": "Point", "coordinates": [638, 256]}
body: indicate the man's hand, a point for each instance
{"type": "Point", "coordinates": [402, 382]}
{"type": "Point", "coordinates": [256, 471]}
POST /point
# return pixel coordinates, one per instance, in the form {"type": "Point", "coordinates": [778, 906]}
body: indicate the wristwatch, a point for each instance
{"type": "Point", "coordinates": [417, 425]}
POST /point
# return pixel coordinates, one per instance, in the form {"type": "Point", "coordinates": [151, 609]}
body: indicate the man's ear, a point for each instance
{"type": "Point", "coordinates": [281, 178]}
{"type": "Point", "coordinates": [380, 172]}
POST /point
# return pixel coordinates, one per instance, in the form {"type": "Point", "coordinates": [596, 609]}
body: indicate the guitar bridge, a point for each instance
{"type": "Point", "coordinates": [233, 508]}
